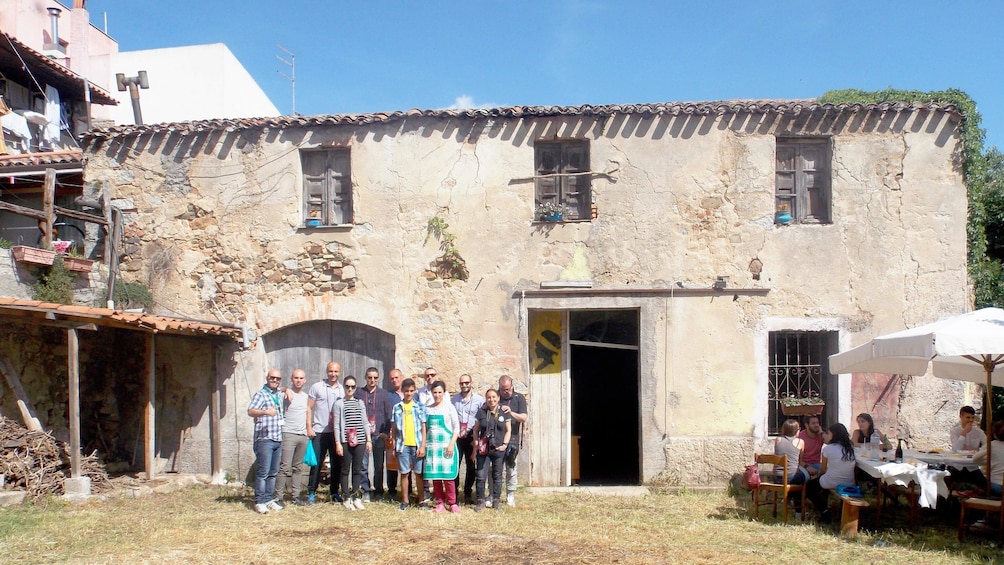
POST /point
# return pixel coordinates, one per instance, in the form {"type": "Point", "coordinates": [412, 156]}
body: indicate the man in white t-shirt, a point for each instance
{"type": "Point", "coordinates": [966, 435]}
{"type": "Point", "coordinates": [321, 400]}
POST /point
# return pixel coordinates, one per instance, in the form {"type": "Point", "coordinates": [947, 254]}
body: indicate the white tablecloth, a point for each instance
{"type": "Point", "coordinates": [931, 482]}
{"type": "Point", "coordinates": [950, 459]}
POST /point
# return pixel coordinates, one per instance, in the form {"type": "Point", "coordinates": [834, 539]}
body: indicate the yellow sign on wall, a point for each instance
{"type": "Point", "coordinates": [545, 342]}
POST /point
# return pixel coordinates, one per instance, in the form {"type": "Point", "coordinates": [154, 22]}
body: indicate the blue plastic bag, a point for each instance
{"type": "Point", "coordinates": [309, 457]}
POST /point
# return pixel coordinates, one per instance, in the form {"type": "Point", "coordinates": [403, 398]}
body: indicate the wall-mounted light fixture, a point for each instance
{"type": "Point", "coordinates": [720, 283]}
{"type": "Point", "coordinates": [133, 84]}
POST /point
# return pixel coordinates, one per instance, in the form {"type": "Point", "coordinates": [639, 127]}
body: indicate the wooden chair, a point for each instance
{"type": "Point", "coordinates": [774, 487]}
{"type": "Point", "coordinates": [994, 510]}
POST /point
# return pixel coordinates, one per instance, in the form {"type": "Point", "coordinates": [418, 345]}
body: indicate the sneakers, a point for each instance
{"type": "Point", "coordinates": [358, 503]}
{"type": "Point", "coordinates": [311, 499]}
{"type": "Point", "coordinates": [366, 498]}
{"type": "Point", "coordinates": [403, 507]}
{"type": "Point", "coordinates": [454, 508]}
{"type": "Point", "coordinates": [274, 505]}
{"type": "Point", "coordinates": [480, 506]}
{"type": "Point", "coordinates": [510, 499]}
{"type": "Point", "coordinates": [496, 504]}
{"type": "Point", "coordinates": [300, 502]}
{"type": "Point", "coordinates": [488, 503]}
{"type": "Point", "coordinates": [440, 508]}
{"type": "Point", "coordinates": [348, 504]}
{"type": "Point", "coordinates": [336, 498]}
{"type": "Point", "coordinates": [261, 508]}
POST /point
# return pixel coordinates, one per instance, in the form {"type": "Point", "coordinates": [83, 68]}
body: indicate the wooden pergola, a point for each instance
{"type": "Point", "coordinates": [76, 318]}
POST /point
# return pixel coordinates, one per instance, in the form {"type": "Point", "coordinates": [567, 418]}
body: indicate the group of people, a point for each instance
{"type": "Point", "coordinates": [824, 459]}
{"type": "Point", "coordinates": [404, 431]}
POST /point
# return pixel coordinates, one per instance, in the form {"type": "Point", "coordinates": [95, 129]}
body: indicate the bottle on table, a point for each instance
{"type": "Point", "coordinates": [899, 451]}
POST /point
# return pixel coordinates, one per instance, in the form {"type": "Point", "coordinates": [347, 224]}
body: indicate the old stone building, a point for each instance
{"type": "Point", "coordinates": [708, 259]}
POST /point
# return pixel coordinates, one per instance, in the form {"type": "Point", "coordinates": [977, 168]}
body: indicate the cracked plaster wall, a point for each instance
{"type": "Point", "coordinates": [687, 198]}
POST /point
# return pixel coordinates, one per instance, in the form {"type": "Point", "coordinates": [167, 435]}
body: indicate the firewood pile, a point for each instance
{"type": "Point", "coordinates": [35, 462]}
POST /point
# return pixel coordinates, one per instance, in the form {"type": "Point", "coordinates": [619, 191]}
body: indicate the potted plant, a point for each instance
{"type": "Point", "coordinates": [34, 255]}
{"type": "Point", "coordinates": [75, 262]}
{"type": "Point", "coordinates": [551, 211]}
{"type": "Point", "coordinates": [802, 405]}
{"type": "Point", "coordinates": [782, 216]}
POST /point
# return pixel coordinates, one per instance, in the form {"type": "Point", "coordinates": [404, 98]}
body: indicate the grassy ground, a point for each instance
{"type": "Point", "coordinates": [215, 525]}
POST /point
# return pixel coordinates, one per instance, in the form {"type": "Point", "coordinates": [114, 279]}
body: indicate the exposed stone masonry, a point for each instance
{"type": "Point", "coordinates": [315, 270]}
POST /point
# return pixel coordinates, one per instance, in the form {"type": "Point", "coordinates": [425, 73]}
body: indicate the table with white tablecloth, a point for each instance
{"type": "Point", "coordinates": [931, 481]}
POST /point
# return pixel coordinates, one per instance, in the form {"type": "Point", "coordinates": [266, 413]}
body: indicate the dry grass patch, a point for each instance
{"type": "Point", "coordinates": [215, 525]}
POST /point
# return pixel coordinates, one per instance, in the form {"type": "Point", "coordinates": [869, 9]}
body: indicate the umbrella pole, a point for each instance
{"type": "Point", "coordinates": [988, 364]}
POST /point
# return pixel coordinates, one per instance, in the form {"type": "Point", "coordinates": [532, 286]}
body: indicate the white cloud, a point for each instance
{"type": "Point", "coordinates": [465, 102]}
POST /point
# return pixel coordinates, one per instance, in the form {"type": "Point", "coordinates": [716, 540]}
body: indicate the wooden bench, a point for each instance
{"type": "Point", "coordinates": [849, 515]}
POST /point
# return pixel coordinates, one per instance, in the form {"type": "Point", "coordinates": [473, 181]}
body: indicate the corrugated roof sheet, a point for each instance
{"type": "Point", "coordinates": [670, 108]}
{"type": "Point", "coordinates": [15, 308]}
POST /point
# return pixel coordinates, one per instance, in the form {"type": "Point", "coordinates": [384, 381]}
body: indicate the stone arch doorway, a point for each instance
{"type": "Point", "coordinates": [311, 345]}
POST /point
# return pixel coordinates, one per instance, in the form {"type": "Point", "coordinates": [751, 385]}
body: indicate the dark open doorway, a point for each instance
{"type": "Point", "coordinates": [605, 396]}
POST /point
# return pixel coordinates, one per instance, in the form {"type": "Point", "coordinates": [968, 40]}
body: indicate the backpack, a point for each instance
{"type": "Point", "coordinates": [751, 477]}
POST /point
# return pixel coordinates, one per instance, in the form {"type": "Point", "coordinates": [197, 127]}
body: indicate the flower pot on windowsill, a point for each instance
{"type": "Point", "coordinates": [34, 255]}
{"type": "Point", "coordinates": [783, 218]}
{"type": "Point", "coordinates": [803, 409]}
{"type": "Point", "coordinates": [78, 264]}
{"type": "Point", "coordinates": [553, 217]}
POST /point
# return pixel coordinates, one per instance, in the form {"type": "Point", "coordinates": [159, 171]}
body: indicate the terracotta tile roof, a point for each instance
{"type": "Point", "coordinates": [68, 156]}
{"type": "Point", "coordinates": [668, 108]}
{"type": "Point", "coordinates": [47, 71]}
{"type": "Point", "coordinates": [15, 308]}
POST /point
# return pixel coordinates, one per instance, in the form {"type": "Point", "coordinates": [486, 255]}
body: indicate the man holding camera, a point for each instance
{"type": "Point", "coordinates": [513, 404]}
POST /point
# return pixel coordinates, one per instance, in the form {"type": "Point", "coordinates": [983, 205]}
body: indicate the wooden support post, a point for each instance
{"type": "Point", "coordinates": [73, 370]}
{"type": "Point", "coordinates": [48, 204]}
{"type": "Point", "coordinates": [149, 429]}
{"type": "Point", "coordinates": [23, 402]}
{"type": "Point", "coordinates": [215, 437]}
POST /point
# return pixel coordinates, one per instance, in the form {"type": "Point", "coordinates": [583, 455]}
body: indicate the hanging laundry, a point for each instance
{"type": "Point", "coordinates": [18, 127]}
{"type": "Point", "coordinates": [52, 113]}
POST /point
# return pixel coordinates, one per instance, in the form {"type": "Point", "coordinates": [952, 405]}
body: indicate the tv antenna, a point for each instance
{"type": "Point", "coordinates": [291, 77]}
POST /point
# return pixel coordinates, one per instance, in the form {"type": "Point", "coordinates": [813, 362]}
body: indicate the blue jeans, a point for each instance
{"type": "Point", "coordinates": [269, 454]}
{"type": "Point", "coordinates": [799, 478]}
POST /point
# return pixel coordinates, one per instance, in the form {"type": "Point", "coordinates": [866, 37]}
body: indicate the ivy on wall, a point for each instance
{"type": "Point", "coordinates": [983, 172]}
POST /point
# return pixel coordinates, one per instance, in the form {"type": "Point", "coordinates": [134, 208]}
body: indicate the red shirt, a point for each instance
{"type": "Point", "coordinates": [812, 447]}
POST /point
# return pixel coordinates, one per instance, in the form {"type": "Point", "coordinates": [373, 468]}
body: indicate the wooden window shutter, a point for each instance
{"type": "Point", "coordinates": [339, 187]}
{"type": "Point", "coordinates": [548, 158]}
{"type": "Point", "coordinates": [575, 189]}
{"type": "Point", "coordinates": [314, 165]}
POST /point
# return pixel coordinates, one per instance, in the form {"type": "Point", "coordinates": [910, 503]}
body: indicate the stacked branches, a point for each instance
{"type": "Point", "coordinates": [36, 462]}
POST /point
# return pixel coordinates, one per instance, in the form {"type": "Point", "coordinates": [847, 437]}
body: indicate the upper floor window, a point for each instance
{"type": "Point", "coordinates": [327, 187]}
{"type": "Point", "coordinates": [562, 176]}
{"type": "Point", "coordinates": [802, 180]}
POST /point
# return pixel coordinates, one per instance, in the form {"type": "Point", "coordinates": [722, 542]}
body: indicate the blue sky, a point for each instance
{"type": "Point", "coordinates": [377, 55]}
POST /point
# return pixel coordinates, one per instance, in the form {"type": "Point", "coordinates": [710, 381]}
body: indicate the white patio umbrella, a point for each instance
{"type": "Point", "coordinates": [969, 347]}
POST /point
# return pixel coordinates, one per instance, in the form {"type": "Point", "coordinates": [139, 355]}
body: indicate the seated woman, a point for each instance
{"type": "Point", "coordinates": [789, 444]}
{"type": "Point", "coordinates": [836, 467]}
{"type": "Point", "coordinates": [996, 458]}
{"type": "Point", "coordinates": [866, 432]}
